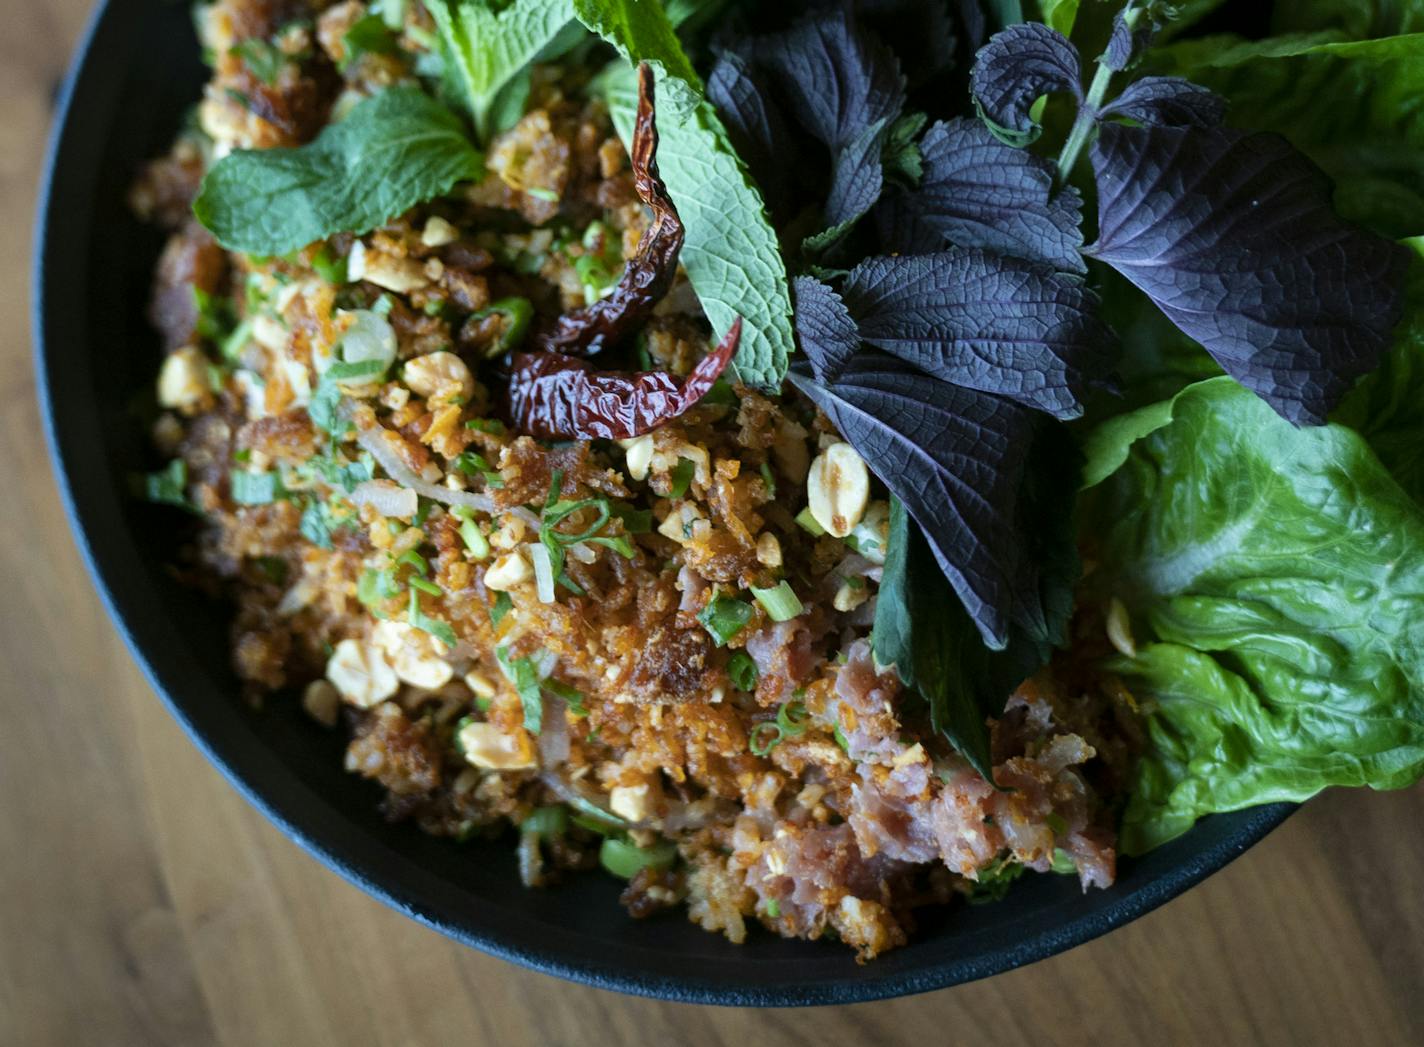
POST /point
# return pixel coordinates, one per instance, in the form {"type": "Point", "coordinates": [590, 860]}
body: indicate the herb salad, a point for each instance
{"type": "Point", "coordinates": [814, 463]}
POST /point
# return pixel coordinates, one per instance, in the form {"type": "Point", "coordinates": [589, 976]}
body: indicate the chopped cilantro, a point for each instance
{"type": "Point", "coordinates": [503, 604]}
{"type": "Point", "coordinates": [525, 678]}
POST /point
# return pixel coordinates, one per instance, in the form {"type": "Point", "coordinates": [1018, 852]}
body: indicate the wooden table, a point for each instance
{"type": "Point", "coordinates": [142, 902]}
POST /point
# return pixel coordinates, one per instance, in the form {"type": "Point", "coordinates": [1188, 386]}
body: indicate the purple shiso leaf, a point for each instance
{"type": "Point", "coordinates": [995, 324]}
{"type": "Point", "coordinates": [954, 457]}
{"type": "Point", "coordinates": [1167, 101]}
{"type": "Point", "coordinates": [978, 192]}
{"type": "Point", "coordinates": [1126, 44]}
{"type": "Point", "coordinates": [755, 125]}
{"type": "Point", "coordinates": [1232, 235]}
{"type": "Point", "coordinates": [845, 87]}
{"type": "Point", "coordinates": [824, 328]}
{"type": "Point", "coordinates": [1014, 69]}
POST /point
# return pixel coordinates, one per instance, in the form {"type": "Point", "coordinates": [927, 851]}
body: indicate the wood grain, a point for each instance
{"type": "Point", "coordinates": [142, 902]}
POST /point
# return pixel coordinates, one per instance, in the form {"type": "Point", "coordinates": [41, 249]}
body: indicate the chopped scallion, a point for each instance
{"type": "Point", "coordinates": [434, 626]}
{"type": "Point", "coordinates": [780, 603]}
{"type": "Point", "coordinates": [255, 488]}
{"type": "Point", "coordinates": [808, 522]}
{"type": "Point", "coordinates": [724, 617]}
{"type": "Point", "coordinates": [517, 313]}
{"type": "Point", "coordinates": [743, 671]}
{"type": "Point", "coordinates": [765, 737]}
{"type": "Point", "coordinates": [681, 476]}
{"type": "Point", "coordinates": [625, 859]}
{"type": "Point", "coordinates": [547, 822]}
{"type": "Point", "coordinates": [424, 585]}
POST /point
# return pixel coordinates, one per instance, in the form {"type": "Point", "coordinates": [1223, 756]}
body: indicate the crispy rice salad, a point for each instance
{"type": "Point", "coordinates": [652, 434]}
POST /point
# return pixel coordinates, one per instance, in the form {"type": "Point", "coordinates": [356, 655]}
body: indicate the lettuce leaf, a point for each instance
{"type": "Point", "coordinates": [1280, 573]}
{"type": "Point", "coordinates": [1387, 407]}
{"type": "Point", "coordinates": [731, 253]}
{"type": "Point", "coordinates": [1348, 101]}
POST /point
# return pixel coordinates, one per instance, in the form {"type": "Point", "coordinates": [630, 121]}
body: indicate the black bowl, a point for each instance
{"type": "Point", "coordinates": [135, 74]}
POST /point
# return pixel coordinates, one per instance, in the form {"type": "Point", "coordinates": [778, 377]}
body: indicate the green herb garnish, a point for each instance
{"type": "Point", "coordinates": [724, 617]}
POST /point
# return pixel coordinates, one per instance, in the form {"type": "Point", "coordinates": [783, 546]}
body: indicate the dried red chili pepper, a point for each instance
{"type": "Point", "coordinates": [649, 274]}
{"type": "Point", "coordinates": [557, 397]}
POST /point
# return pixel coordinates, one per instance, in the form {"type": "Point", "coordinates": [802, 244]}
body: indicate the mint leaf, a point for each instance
{"type": "Point", "coordinates": [395, 150]}
{"type": "Point", "coordinates": [1233, 237]}
{"type": "Point", "coordinates": [731, 253]}
{"type": "Point", "coordinates": [641, 31]}
{"type": "Point", "coordinates": [490, 44]}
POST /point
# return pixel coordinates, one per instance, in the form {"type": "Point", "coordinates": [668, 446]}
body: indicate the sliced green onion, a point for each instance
{"type": "Point", "coordinates": [742, 670]}
{"type": "Point", "coordinates": [169, 485]}
{"type": "Point", "coordinates": [594, 825]}
{"type": "Point", "coordinates": [1055, 821]}
{"type": "Point", "coordinates": [393, 12]}
{"type": "Point", "coordinates": [374, 587]}
{"type": "Point", "coordinates": [472, 463]}
{"type": "Point", "coordinates": [234, 343]}
{"type": "Point", "coordinates": [724, 617]}
{"type": "Point", "coordinates": [635, 521]}
{"type": "Point", "coordinates": [414, 559]}
{"type": "Point", "coordinates": [1063, 862]}
{"type": "Point", "coordinates": [420, 620]}
{"type": "Point", "coordinates": [620, 544]}
{"type": "Point", "coordinates": [808, 522]}
{"type": "Point", "coordinates": [779, 602]}
{"type": "Point", "coordinates": [474, 539]}
{"type": "Point", "coordinates": [547, 822]}
{"type": "Point", "coordinates": [424, 585]}
{"type": "Point", "coordinates": [768, 480]}
{"type": "Point", "coordinates": [625, 859]}
{"type": "Point", "coordinates": [765, 737]}
{"type": "Point", "coordinates": [517, 313]}
{"type": "Point", "coordinates": [330, 267]}
{"type": "Point", "coordinates": [841, 740]}
{"type": "Point", "coordinates": [681, 475]}
{"type": "Point", "coordinates": [773, 908]}
{"type": "Point", "coordinates": [254, 488]}
{"type": "Point", "coordinates": [792, 718]}
{"type": "Point", "coordinates": [538, 192]}
{"type": "Point", "coordinates": [493, 426]}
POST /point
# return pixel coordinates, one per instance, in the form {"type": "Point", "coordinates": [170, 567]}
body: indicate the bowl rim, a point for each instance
{"type": "Point", "coordinates": [294, 815]}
